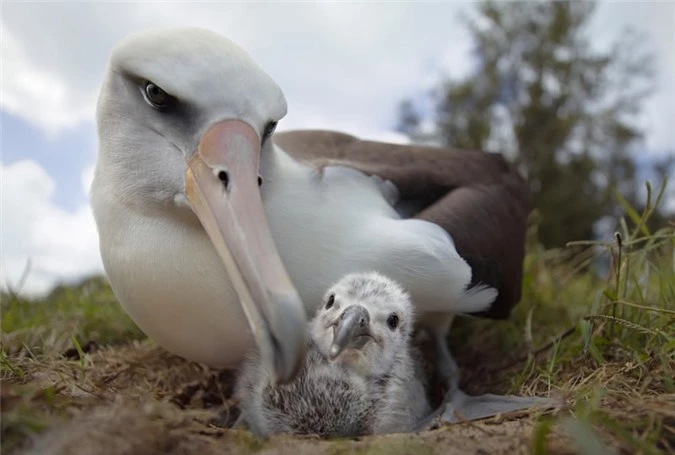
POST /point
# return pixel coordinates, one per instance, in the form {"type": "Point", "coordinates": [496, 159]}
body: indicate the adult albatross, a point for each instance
{"type": "Point", "coordinates": [207, 263]}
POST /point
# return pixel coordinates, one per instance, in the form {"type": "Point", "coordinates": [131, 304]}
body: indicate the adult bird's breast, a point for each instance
{"type": "Point", "coordinates": [169, 279]}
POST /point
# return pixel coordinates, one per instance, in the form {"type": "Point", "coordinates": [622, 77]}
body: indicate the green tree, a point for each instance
{"type": "Point", "coordinates": [565, 113]}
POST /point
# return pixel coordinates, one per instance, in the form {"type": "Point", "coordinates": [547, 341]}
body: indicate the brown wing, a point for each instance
{"type": "Point", "coordinates": [476, 196]}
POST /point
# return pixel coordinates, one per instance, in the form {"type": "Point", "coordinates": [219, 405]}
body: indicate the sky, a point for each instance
{"type": "Point", "coordinates": [341, 66]}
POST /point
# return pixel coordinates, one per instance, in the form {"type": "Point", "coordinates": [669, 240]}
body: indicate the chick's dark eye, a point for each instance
{"type": "Point", "coordinates": [330, 302]}
{"type": "Point", "coordinates": [392, 321]}
{"type": "Point", "coordinates": [155, 95]}
{"type": "Point", "coordinates": [269, 129]}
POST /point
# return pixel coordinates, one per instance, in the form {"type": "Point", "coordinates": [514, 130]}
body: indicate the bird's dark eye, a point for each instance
{"type": "Point", "coordinates": [330, 302]}
{"type": "Point", "coordinates": [269, 129]}
{"type": "Point", "coordinates": [156, 96]}
{"type": "Point", "coordinates": [392, 321]}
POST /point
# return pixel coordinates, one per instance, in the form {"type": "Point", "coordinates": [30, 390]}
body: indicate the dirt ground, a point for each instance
{"type": "Point", "coordinates": [138, 399]}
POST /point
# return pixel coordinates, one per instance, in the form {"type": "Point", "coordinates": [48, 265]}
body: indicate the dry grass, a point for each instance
{"type": "Point", "coordinates": [137, 399]}
{"type": "Point", "coordinates": [78, 378]}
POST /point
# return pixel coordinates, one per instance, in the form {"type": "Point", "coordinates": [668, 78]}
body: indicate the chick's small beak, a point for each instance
{"type": "Point", "coordinates": [352, 330]}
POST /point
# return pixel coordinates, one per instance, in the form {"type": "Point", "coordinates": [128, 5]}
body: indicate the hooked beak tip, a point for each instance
{"type": "Point", "coordinates": [352, 330]}
{"type": "Point", "coordinates": [290, 338]}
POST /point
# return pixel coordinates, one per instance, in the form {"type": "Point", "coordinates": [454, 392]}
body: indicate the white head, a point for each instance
{"type": "Point", "coordinates": [183, 118]}
{"type": "Point", "coordinates": [365, 323]}
{"type": "Point", "coordinates": [163, 90]}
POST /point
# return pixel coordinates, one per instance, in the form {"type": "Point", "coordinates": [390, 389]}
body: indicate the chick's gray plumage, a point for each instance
{"type": "Point", "coordinates": [366, 389]}
{"type": "Point", "coordinates": [323, 399]}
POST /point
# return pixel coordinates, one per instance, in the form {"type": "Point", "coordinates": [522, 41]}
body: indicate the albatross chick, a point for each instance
{"type": "Point", "coordinates": [360, 375]}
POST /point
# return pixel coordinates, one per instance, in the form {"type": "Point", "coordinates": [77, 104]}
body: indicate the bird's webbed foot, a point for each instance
{"type": "Point", "coordinates": [460, 407]}
{"type": "Point", "coordinates": [457, 406]}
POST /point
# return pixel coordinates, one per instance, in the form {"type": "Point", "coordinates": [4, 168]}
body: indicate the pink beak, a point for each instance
{"type": "Point", "coordinates": [222, 188]}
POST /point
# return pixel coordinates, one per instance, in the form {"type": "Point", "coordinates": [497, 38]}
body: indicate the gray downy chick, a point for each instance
{"type": "Point", "coordinates": [360, 374]}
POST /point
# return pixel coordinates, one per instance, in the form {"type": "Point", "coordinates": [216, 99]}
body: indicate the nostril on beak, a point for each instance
{"type": "Point", "coordinates": [224, 177]}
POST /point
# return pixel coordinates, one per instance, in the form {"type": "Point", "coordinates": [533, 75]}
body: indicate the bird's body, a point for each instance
{"type": "Point", "coordinates": [336, 220]}
{"type": "Point", "coordinates": [326, 223]}
{"type": "Point", "coordinates": [167, 276]}
{"type": "Point", "coordinates": [364, 390]}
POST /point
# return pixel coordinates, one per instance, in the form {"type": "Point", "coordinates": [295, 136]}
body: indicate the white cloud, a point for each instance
{"type": "Point", "coordinates": [60, 245]}
{"type": "Point", "coordinates": [40, 96]}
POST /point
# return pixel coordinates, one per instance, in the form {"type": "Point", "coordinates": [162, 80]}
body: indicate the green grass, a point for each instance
{"type": "Point", "coordinates": [87, 312]}
{"type": "Point", "coordinates": [43, 330]}
{"type": "Point", "coordinates": [608, 343]}
{"type": "Point", "coordinates": [605, 343]}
